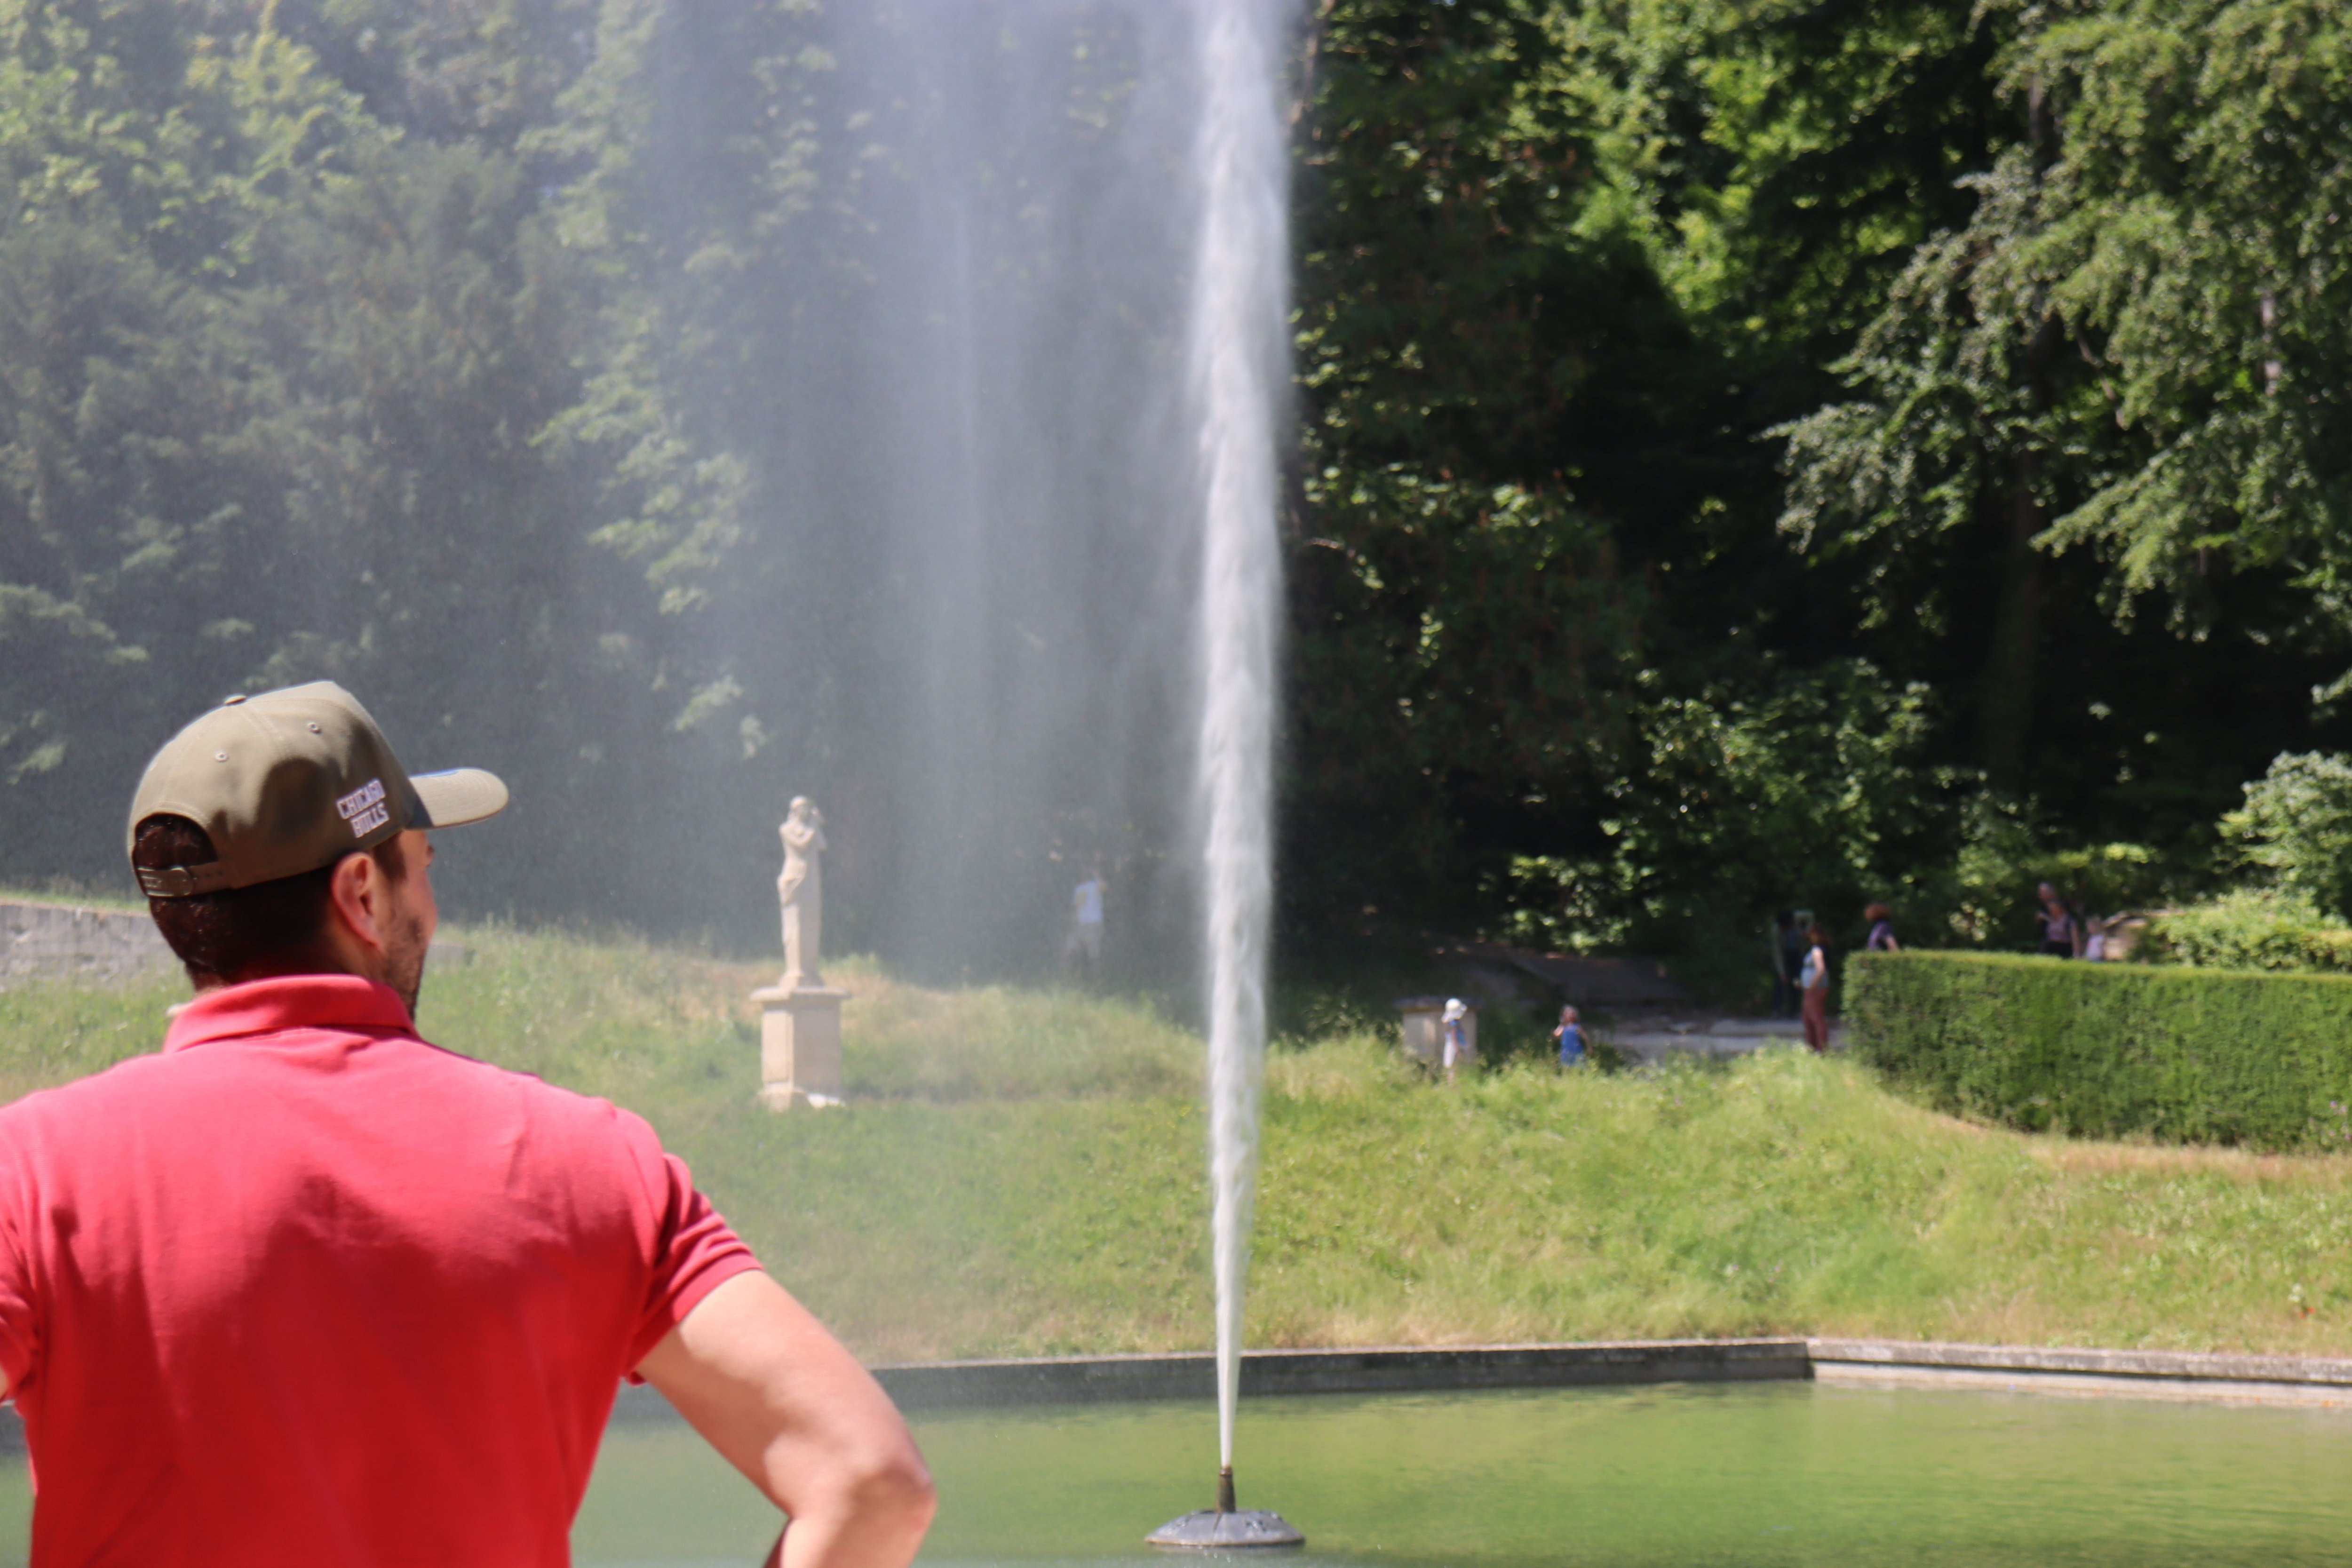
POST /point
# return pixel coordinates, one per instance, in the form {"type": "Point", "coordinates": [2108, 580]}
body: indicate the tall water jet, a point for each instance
{"type": "Point", "coordinates": [1236, 362]}
{"type": "Point", "coordinates": [1235, 353]}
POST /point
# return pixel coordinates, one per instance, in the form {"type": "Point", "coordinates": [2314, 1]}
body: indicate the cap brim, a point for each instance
{"type": "Point", "coordinates": [459, 796]}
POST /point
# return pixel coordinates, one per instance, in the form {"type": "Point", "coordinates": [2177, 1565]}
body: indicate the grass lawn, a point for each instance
{"type": "Point", "coordinates": [1021, 1172]}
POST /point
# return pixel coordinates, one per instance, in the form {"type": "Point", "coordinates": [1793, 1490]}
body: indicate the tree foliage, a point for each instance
{"type": "Point", "coordinates": [2296, 827]}
{"type": "Point", "coordinates": [273, 376]}
{"type": "Point", "coordinates": [1889, 243]}
{"type": "Point", "coordinates": [2132, 347]}
{"type": "Point", "coordinates": [2249, 928]}
{"type": "Point", "coordinates": [1783, 451]}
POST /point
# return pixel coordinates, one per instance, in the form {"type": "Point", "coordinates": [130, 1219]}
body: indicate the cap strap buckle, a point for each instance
{"type": "Point", "coordinates": [183, 881]}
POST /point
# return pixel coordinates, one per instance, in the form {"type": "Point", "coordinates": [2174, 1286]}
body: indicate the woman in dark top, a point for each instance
{"type": "Point", "coordinates": [2061, 932]}
{"type": "Point", "coordinates": [1882, 930]}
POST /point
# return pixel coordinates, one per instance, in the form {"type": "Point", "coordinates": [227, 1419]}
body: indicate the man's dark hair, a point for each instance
{"type": "Point", "coordinates": [242, 934]}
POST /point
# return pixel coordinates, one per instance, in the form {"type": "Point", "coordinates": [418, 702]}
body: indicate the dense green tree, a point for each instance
{"type": "Point", "coordinates": [2098, 361]}
{"type": "Point", "coordinates": [1464, 632]}
{"type": "Point", "coordinates": [487, 73]}
{"type": "Point", "coordinates": [272, 380]}
{"type": "Point", "coordinates": [1600, 253]}
{"type": "Point", "coordinates": [1561, 266]}
{"type": "Point", "coordinates": [1818, 793]}
{"type": "Point", "coordinates": [2295, 829]}
{"type": "Point", "coordinates": [141, 166]}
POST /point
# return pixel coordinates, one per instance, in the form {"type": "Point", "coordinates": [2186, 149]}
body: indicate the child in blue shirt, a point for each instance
{"type": "Point", "coordinates": [1570, 1038]}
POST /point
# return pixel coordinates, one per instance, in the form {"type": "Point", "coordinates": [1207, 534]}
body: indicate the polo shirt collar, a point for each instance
{"type": "Point", "coordinates": [289, 1002]}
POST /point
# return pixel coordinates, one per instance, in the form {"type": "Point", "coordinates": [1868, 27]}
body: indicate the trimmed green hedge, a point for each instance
{"type": "Point", "coordinates": [2186, 1056]}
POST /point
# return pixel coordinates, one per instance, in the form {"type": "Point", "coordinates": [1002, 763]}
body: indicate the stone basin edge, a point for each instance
{"type": "Point", "coordinates": [1191, 1375]}
{"type": "Point", "coordinates": [2078, 1371]}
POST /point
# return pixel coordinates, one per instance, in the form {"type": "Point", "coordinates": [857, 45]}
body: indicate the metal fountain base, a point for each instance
{"type": "Point", "coordinates": [1225, 1528]}
{"type": "Point", "coordinates": [1209, 1531]}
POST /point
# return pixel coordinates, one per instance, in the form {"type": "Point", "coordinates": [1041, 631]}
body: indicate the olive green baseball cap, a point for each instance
{"type": "Point", "coordinates": [286, 782]}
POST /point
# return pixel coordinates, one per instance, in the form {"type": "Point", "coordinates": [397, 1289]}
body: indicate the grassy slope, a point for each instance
{"type": "Point", "coordinates": [1022, 1174]}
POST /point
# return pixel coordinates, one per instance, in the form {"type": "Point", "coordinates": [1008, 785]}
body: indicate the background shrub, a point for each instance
{"type": "Point", "coordinates": [2250, 928]}
{"type": "Point", "coordinates": [2194, 1056]}
{"type": "Point", "coordinates": [2296, 825]}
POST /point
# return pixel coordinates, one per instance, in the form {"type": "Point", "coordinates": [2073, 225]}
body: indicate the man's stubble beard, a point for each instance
{"type": "Point", "coordinates": [404, 960]}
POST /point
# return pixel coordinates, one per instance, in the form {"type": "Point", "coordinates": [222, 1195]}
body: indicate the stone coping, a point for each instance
{"type": "Point", "coordinates": [2193, 1365]}
{"type": "Point", "coordinates": [2173, 1374]}
{"type": "Point", "coordinates": [2203, 1376]}
{"type": "Point", "coordinates": [1193, 1375]}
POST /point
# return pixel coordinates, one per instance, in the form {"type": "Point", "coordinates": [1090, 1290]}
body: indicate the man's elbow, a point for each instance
{"type": "Point", "coordinates": [885, 1486]}
{"type": "Point", "coordinates": [896, 1484]}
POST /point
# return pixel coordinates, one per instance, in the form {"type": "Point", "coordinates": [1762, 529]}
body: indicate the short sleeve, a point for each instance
{"type": "Point", "coordinates": [695, 1252]}
{"type": "Point", "coordinates": [19, 1315]}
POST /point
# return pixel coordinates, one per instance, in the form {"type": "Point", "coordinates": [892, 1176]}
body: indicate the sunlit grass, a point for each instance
{"type": "Point", "coordinates": [1781, 1194]}
{"type": "Point", "coordinates": [50, 1034]}
{"type": "Point", "coordinates": [997, 1043]}
{"type": "Point", "coordinates": [1020, 1173]}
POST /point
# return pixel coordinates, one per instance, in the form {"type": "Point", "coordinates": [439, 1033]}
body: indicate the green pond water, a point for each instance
{"type": "Point", "coordinates": [1766, 1474]}
{"type": "Point", "coordinates": [1772, 1474]}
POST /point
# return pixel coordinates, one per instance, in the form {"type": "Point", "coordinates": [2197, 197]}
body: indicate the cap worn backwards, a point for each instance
{"type": "Point", "coordinates": [288, 781]}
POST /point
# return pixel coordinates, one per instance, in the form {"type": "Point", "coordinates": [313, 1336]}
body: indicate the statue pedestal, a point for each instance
{"type": "Point", "coordinates": [799, 1045]}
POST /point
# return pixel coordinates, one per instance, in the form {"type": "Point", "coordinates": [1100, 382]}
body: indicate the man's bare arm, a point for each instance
{"type": "Point", "coordinates": [789, 1406]}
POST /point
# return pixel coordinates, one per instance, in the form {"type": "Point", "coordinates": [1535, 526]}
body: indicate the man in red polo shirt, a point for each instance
{"type": "Point", "coordinates": [304, 1290]}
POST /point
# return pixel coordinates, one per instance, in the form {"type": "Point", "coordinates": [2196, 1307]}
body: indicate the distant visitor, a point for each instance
{"type": "Point", "coordinates": [1571, 1037]}
{"type": "Point", "coordinates": [2061, 927]}
{"type": "Point", "coordinates": [1459, 1048]}
{"type": "Point", "coordinates": [1813, 981]}
{"type": "Point", "coordinates": [1882, 930]}
{"type": "Point", "coordinates": [1082, 953]}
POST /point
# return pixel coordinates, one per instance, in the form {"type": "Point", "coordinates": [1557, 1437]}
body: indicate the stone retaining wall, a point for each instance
{"type": "Point", "coordinates": [1263, 1372]}
{"type": "Point", "coordinates": [59, 941]}
{"type": "Point", "coordinates": [2168, 1375]}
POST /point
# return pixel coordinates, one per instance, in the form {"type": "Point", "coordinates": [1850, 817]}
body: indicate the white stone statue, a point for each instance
{"type": "Point", "coordinates": [801, 891]}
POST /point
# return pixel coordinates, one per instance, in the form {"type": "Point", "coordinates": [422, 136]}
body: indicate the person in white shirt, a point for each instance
{"type": "Point", "coordinates": [1458, 1049]}
{"type": "Point", "coordinates": [1086, 944]}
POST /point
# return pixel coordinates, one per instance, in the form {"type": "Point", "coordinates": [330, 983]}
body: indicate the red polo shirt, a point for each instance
{"type": "Point", "coordinates": [304, 1290]}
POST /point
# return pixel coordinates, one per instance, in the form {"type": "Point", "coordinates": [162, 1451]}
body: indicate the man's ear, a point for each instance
{"type": "Point", "coordinates": [356, 897]}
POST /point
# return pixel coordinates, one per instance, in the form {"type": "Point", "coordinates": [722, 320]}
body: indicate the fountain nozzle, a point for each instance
{"type": "Point", "coordinates": [1225, 1490]}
